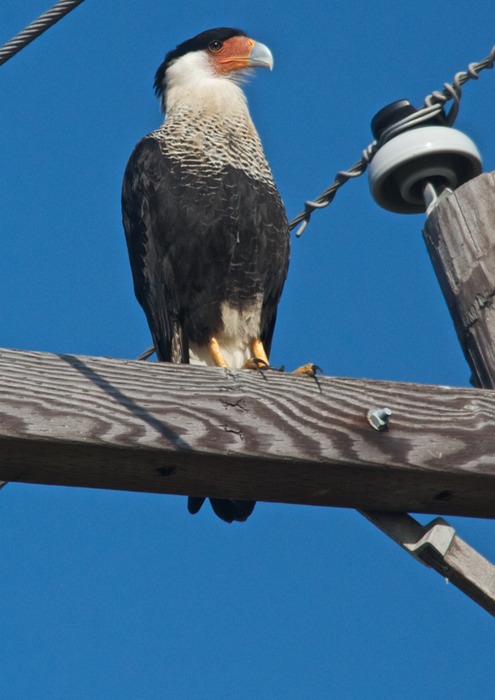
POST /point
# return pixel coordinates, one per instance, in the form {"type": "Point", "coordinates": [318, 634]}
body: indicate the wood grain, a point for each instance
{"type": "Point", "coordinates": [460, 237]}
{"type": "Point", "coordinates": [121, 424]}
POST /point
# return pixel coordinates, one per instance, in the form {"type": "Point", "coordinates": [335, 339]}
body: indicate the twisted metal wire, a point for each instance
{"type": "Point", "coordinates": [33, 30]}
{"type": "Point", "coordinates": [433, 105]}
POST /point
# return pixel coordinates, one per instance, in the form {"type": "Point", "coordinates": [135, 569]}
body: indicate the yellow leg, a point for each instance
{"type": "Point", "coordinates": [216, 354]}
{"type": "Point", "coordinates": [259, 351]}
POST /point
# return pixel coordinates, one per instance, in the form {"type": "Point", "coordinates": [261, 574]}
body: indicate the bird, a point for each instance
{"type": "Point", "coordinates": [206, 230]}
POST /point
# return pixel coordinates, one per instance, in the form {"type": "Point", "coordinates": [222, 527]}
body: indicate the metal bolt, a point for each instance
{"type": "Point", "coordinates": [378, 417]}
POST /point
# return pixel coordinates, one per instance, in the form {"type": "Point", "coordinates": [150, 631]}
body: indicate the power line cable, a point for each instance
{"type": "Point", "coordinates": [433, 105]}
{"type": "Point", "coordinates": [33, 30]}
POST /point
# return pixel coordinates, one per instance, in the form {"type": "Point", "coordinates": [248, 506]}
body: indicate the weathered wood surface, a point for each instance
{"type": "Point", "coordinates": [175, 429]}
{"type": "Point", "coordinates": [439, 547]}
{"type": "Point", "coordinates": [471, 573]}
{"type": "Point", "coordinates": [460, 237]}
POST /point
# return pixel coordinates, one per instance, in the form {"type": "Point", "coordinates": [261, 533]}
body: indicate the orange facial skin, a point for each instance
{"type": "Point", "coordinates": [238, 53]}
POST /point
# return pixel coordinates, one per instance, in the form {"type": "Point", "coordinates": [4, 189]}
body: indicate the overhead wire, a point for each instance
{"type": "Point", "coordinates": [33, 30]}
{"type": "Point", "coordinates": [433, 104]}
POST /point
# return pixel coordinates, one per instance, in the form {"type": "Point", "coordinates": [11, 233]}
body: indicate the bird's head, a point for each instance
{"type": "Point", "coordinates": [223, 53]}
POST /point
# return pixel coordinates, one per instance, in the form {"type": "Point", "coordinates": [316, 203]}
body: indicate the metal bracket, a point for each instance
{"type": "Point", "coordinates": [437, 538]}
{"type": "Point", "coordinates": [437, 546]}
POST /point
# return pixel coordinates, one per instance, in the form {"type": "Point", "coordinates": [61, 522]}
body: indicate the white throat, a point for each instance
{"type": "Point", "coordinates": [193, 84]}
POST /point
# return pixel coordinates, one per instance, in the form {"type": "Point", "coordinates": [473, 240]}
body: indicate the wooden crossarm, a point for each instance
{"type": "Point", "coordinates": [121, 424]}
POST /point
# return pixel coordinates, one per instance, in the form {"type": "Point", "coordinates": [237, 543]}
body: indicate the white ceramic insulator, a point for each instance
{"type": "Point", "coordinates": [398, 172]}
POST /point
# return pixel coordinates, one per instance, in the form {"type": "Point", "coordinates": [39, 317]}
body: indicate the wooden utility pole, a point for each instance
{"type": "Point", "coordinates": [460, 237]}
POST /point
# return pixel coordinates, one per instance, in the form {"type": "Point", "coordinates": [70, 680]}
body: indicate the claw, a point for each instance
{"type": "Point", "coordinates": [308, 369]}
{"type": "Point", "coordinates": [255, 363]}
{"type": "Point", "coordinates": [261, 366]}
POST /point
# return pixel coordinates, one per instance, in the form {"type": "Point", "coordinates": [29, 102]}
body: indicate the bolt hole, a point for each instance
{"type": "Point", "coordinates": [166, 471]}
{"type": "Point", "coordinates": [444, 496]}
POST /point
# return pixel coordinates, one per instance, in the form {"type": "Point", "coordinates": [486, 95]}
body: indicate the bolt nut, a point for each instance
{"type": "Point", "coordinates": [378, 417]}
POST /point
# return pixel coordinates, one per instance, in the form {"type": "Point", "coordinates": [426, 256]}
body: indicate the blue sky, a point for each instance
{"type": "Point", "coordinates": [123, 595]}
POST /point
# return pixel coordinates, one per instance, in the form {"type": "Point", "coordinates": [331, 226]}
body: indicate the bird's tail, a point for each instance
{"type": "Point", "coordinates": [229, 511]}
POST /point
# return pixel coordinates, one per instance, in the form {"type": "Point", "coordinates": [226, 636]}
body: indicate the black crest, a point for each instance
{"type": "Point", "coordinates": [197, 43]}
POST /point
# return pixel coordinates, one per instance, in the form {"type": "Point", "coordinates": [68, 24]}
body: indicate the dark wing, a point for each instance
{"type": "Point", "coordinates": [145, 184]}
{"type": "Point", "coordinates": [270, 220]}
{"type": "Point", "coordinates": [197, 239]}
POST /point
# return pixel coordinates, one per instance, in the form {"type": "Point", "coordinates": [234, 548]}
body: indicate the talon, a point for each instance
{"type": "Point", "coordinates": [308, 369]}
{"type": "Point", "coordinates": [260, 365]}
{"type": "Point", "coordinates": [255, 363]}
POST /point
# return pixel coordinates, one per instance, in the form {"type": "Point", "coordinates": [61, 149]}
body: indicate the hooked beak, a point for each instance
{"type": "Point", "coordinates": [260, 56]}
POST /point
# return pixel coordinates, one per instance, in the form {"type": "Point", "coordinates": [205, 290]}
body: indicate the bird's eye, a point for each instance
{"type": "Point", "coordinates": [215, 45]}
